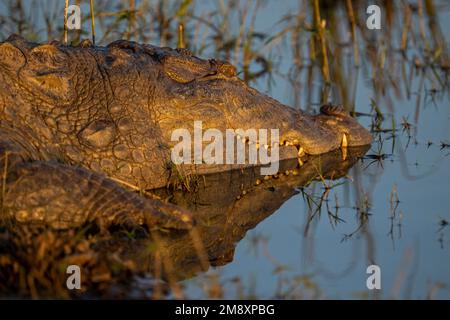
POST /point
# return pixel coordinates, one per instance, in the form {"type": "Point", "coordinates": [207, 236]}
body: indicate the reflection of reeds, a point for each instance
{"type": "Point", "coordinates": [351, 17]}
{"type": "Point", "coordinates": [319, 26]}
{"type": "Point", "coordinates": [168, 266]}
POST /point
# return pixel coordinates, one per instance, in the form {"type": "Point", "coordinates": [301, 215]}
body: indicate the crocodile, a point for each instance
{"type": "Point", "coordinates": [85, 130]}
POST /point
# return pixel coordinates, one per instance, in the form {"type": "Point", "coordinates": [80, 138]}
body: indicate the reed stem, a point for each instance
{"type": "Point", "coordinates": [92, 21]}
{"type": "Point", "coordinates": [66, 8]}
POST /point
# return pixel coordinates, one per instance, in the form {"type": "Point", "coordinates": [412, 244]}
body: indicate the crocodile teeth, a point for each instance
{"type": "Point", "coordinates": [301, 152]}
{"type": "Point", "coordinates": [288, 143]}
{"type": "Point", "coordinates": [266, 146]}
{"type": "Point", "coordinates": [344, 142]}
{"type": "Point", "coordinates": [300, 162]}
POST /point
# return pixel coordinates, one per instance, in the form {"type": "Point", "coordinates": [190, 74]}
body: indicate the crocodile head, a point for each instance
{"type": "Point", "coordinates": [113, 108]}
{"type": "Point", "coordinates": [227, 102]}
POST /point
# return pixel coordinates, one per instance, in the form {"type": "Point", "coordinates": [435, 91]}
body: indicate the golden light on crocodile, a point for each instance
{"type": "Point", "coordinates": [104, 143]}
{"type": "Point", "coordinates": [344, 142]}
{"type": "Point", "coordinates": [344, 145]}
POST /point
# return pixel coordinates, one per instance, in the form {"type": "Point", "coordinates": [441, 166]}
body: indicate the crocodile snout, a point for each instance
{"type": "Point", "coordinates": [332, 129]}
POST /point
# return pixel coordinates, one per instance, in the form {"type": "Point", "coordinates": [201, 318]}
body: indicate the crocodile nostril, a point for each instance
{"type": "Point", "coordinates": [109, 60]}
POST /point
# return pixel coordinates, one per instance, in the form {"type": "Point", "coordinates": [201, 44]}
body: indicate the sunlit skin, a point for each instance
{"type": "Point", "coordinates": [82, 122]}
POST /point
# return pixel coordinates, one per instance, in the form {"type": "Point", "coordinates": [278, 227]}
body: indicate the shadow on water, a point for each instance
{"type": "Point", "coordinates": [226, 205]}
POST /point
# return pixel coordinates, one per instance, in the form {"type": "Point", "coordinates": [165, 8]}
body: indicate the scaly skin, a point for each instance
{"type": "Point", "coordinates": [81, 127]}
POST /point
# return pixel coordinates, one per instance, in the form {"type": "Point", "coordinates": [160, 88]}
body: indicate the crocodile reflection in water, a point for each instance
{"type": "Point", "coordinates": [226, 205]}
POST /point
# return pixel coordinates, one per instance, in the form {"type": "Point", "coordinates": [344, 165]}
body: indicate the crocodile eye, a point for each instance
{"type": "Point", "coordinates": [54, 84]}
{"type": "Point", "coordinates": [51, 81]}
{"type": "Point", "coordinates": [48, 54]}
{"type": "Point", "coordinates": [184, 69]}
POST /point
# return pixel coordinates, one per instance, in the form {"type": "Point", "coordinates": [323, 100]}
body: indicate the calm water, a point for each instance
{"type": "Point", "coordinates": [412, 250]}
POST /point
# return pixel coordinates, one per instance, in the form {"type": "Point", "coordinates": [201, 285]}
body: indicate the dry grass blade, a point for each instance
{"type": "Point", "coordinates": [92, 21]}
